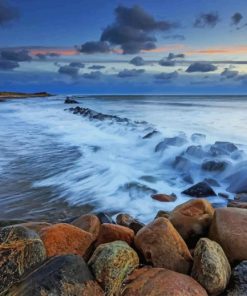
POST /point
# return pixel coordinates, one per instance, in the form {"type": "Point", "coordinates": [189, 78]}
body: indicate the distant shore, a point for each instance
{"type": "Point", "coordinates": [19, 95]}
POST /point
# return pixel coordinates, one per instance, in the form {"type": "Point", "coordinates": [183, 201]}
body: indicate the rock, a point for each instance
{"type": "Point", "coordinates": [237, 204]}
{"type": "Point", "coordinates": [192, 219]}
{"type": "Point", "coordinates": [161, 282]}
{"type": "Point", "coordinates": [238, 282]}
{"type": "Point", "coordinates": [35, 226]}
{"type": "Point", "coordinates": [14, 233]}
{"type": "Point", "coordinates": [111, 263]}
{"type": "Point", "coordinates": [195, 151]}
{"type": "Point", "coordinates": [223, 194]}
{"type": "Point", "coordinates": [112, 232]}
{"type": "Point", "coordinates": [222, 148]}
{"type": "Point", "coordinates": [136, 189]}
{"type": "Point", "coordinates": [61, 275]}
{"type": "Point", "coordinates": [89, 223]}
{"type": "Point", "coordinates": [128, 221]}
{"type": "Point", "coordinates": [175, 141]}
{"type": "Point", "coordinates": [69, 100]}
{"type": "Point", "coordinates": [188, 179]}
{"type": "Point", "coordinates": [63, 239]}
{"type": "Point", "coordinates": [241, 197]}
{"type": "Point", "coordinates": [164, 197]}
{"type": "Point", "coordinates": [214, 165]}
{"type": "Point", "coordinates": [237, 182]}
{"type": "Point", "coordinates": [182, 163]}
{"type": "Point", "coordinates": [163, 214]}
{"type": "Point", "coordinates": [212, 182]}
{"type": "Point", "coordinates": [151, 134]}
{"type": "Point", "coordinates": [211, 268]}
{"type": "Point", "coordinates": [158, 239]}
{"type": "Point", "coordinates": [229, 229]}
{"type": "Point", "coordinates": [4, 223]}
{"type": "Point", "coordinates": [201, 189]}
{"type": "Point", "coordinates": [19, 257]}
{"type": "Point", "coordinates": [104, 218]}
{"type": "Point", "coordinates": [198, 137]}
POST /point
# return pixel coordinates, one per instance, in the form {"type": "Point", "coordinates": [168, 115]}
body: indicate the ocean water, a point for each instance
{"type": "Point", "coordinates": [53, 161]}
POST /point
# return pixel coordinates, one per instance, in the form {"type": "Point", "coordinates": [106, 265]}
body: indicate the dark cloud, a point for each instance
{"type": "Point", "coordinates": [167, 63]}
{"type": "Point", "coordinates": [91, 47]}
{"type": "Point", "coordinates": [166, 76]}
{"type": "Point", "coordinates": [16, 56]}
{"type": "Point", "coordinates": [43, 56]}
{"type": "Point", "coordinates": [236, 18]}
{"type": "Point", "coordinates": [6, 65]}
{"type": "Point", "coordinates": [92, 75]}
{"type": "Point", "coordinates": [7, 12]}
{"type": "Point", "coordinates": [130, 73]}
{"type": "Point", "coordinates": [204, 20]}
{"type": "Point", "coordinates": [201, 67]}
{"type": "Point", "coordinates": [137, 61]}
{"type": "Point", "coordinates": [77, 65]}
{"type": "Point", "coordinates": [173, 56]}
{"type": "Point", "coordinates": [175, 37]}
{"type": "Point", "coordinates": [134, 29]}
{"type": "Point", "coordinates": [227, 73]}
{"type": "Point", "coordinates": [68, 70]}
{"type": "Point", "coordinates": [96, 67]}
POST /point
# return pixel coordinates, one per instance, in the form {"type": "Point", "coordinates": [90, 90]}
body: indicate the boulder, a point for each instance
{"type": "Point", "coordinates": [211, 268]}
{"type": "Point", "coordinates": [112, 232]}
{"type": "Point", "coordinates": [69, 100]}
{"type": "Point", "coordinates": [238, 281]}
{"type": "Point", "coordinates": [175, 141]}
{"type": "Point", "coordinates": [161, 282]}
{"type": "Point", "coordinates": [192, 219]}
{"type": "Point", "coordinates": [61, 275]}
{"type": "Point", "coordinates": [128, 221]}
{"type": "Point", "coordinates": [229, 229]}
{"type": "Point", "coordinates": [104, 218]}
{"type": "Point", "coordinates": [19, 257]}
{"type": "Point", "coordinates": [14, 233]}
{"type": "Point", "coordinates": [241, 197]}
{"type": "Point", "coordinates": [164, 197]}
{"type": "Point", "coordinates": [198, 137]}
{"type": "Point", "coordinates": [111, 263]}
{"type": "Point", "coordinates": [237, 182]}
{"type": "Point", "coordinates": [163, 214]}
{"type": "Point", "coordinates": [158, 239]}
{"type": "Point", "coordinates": [222, 148]}
{"type": "Point", "coordinates": [237, 204]}
{"type": "Point", "coordinates": [89, 223]}
{"type": "Point", "coordinates": [214, 165]}
{"type": "Point", "coordinates": [35, 226]}
{"type": "Point", "coordinates": [201, 189]}
{"type": "Point", "coordinates": [63, 239]}
{"type": "Point", "coordinates": [195, 151]}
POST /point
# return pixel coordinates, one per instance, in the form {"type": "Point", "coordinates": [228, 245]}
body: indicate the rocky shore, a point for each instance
{"type": "Point", "coordinates": [18, 95]}
{"type": "Point", "coordinates": [195, 250]}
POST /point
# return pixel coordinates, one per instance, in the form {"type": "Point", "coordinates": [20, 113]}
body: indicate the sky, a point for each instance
{"type": "Point", "coordinates": [124, 47]}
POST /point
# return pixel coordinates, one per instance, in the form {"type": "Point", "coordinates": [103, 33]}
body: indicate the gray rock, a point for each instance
{"type": "Point", "coordinates": [238, 282]}
{"type": "Point", "coordinates": [201, 189]}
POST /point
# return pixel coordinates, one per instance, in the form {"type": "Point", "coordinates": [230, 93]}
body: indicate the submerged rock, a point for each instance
{"type": "Point", "coordinates": [158, 239]}
{"type": "Point", "coordinates": [69, 100]}
{"type": "Point", "coordinates": [211, 182]}
{"type": "Point", "coordinates": [237, 182]}
{"type": "Point", "coordinates": [222, 148]}
{"type": "Point", "coordinates": [195, 151]}
{"type": "Point", "coordinates": [201, 189]}
{"type": "Point", "coordinates": [175, 141]}
{"type": "Point", "coordinates": [161, 282]}
{"type": "Point", "coordinates": [214, 165]}
{"type": "Point", "coordinates": [211, 267]}
{"type": "Point", "coordinates": [138, 189]}
{"type": "Point", "coordinates": [198, 137]}
{"type": "Point", "coordinates": [111, 263]}
{"type": "Point", "coordinates": [151, 134]}
{"type": "Point", "coordinates": [89, 223]}
{"type": "Point", "coordinates": [238, 282]}
{"type": "Point", "coordinates": [62, 275]}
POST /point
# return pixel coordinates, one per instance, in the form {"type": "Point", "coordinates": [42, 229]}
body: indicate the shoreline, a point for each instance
{"type": "Point", "coordinates": [19, 95]}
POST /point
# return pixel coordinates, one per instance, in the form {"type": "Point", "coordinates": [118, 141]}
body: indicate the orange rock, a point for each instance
{"type": "Point", "coordinates": [89, 223]}
{"type": "Point", "coordinates": [229, 229]}
{"type": "Point", "coordinates": [162, 246]}
{"type": "Point", "coordinates": [112, 232]}
{"type": "Point", "coordinates": [164, 197]}
{"type": "Point", "coordinates": [62, 239]}
{"type": "Point", "coordinates": [159, 281]}
{"type": "Point", "coordinates": [192, 219]}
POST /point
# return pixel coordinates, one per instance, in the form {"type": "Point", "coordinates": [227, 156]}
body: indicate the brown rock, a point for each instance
{"type": "Point", "coordinates": [229, 229]}
{"type": "Point", "coordinates": [112, 232]}
{"type": "Point", "coordinates": [62, 239]}
{"type": "Point", "coordinates": [211, 267]}
{"type": "Point", "coordinates": [162, 246]}
{"type": "Point", "coordinates": [161, 282]}
{"type": "Point", "coordinates": [163, 214]}
{"type": "Point", "coordinates": [128, 221]}
{"type": "Point", "coordinates": [35, 226]}
{"type": "Point", "coordinates": [89, 223]}
{"type": "Point", "coordinates": [237, 204]}
{"type": "Point", "coordinates": [164, 197]}
{"type": "Point", "coordinates": [192, 219]}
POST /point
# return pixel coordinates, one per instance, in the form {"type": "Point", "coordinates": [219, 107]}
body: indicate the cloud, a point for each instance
{"type": "Point", "coordinates": [166, 76]}
{"type": "Point", "coordinates": [92, 75]}
{"type": "Point", "coordinates": [92, 47]}
{"type": "Point", "coordinates": [7, 12]}
{"type": "Point", "coordinates": [16, 56]}
{"type": "Point", "coordinates": [130, 73]}
{"type": "Point", "coordinates": [236, 18]}
{"type": "Point", "coordinates": [137, 61]}
{"type": "Point", "coordinates": [204, 20]}
{"type": "Point", "coordinates": [96, 67]}
{"type": "Point", "coordinates": [77, 65]}
{"type": "Point", "coordinates": [166, 63]}
{"type": "Point", "coordinates": [174, 37]}
{"type": "Point", "coordinates": [43, 56]}
{"type": "Point", "coordinates": [173, 56]}
{"type": "Point", "coordinates": [228, 74]}
{"type": "Point", "coordinates": [69, 70]}
{"type": "Point", "coordinates": [170, 60]}
{"type": "Point", "coordinates": [133, 30]}
{"type": "Point", "coordinates": [201, 67]}
{"type": "Point", "coordinates": [6, 65]}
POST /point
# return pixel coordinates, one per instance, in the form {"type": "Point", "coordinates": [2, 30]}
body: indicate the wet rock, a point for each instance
{"type": "Point", "coordinates": [229, 229]}
{"type": "Point", "coordinates": [182, 163]}
{"type": "Point", "coordinates": [4, 223]}
{"type": "Point", "coordinates": [61, 275]}
{"type": "Point", "coordinates": [111, 263]}
{"type": "Point", "coordinates": [223, 194]}
{"type": "Point", "coordinates": [128, 221]}
{"type": "Point", "coordinates": [237, 182]}
{"type": "Point", "coordinates": [201, 189]}
{"type": "Point", "coordinates": [211, 267]}
{"type": "Point", "coordinates": [195, 151]}
{"type": "Point", "coordinates": [35, 226]}
{"type": "Point", "coordinates": [137, 189]}
{"type": "Point", "coordinates": [63, 239]}
{"type": "Point", "coordinates": [151, 134]}
{"type": "Point", "coordinates": [162, 214]}
{"type": "Point", "coordinates": [104, 218]}
{"type": "Point", "coordinates": [164, 197]}
{"type": "Point", "coordinates": [238, 282]}
{"type": "Point", "coordinates": [69, 100]}
{"type": "Point", "coordinates": [19, 257]}
{"type": "Point", "coordinates": [112, 232]}
{"type": "Point", "coordinates": [161, 282]}
{"type": "Point", "coordinates": [159, 238]}
{"type": "Point", "coordinates": [237, 204]}
{"type": "Point", "coordinates": [222, 148]}
{"type": "Point", "coordinates": [198, 138]}
{"type": "Point", "coordinates": [175, 141]}
{"type": "Point", "coordinates": [15, 233]}
{"type": "Point", "coordinates": [241, 197]}
{"type": "Point", "coordinates": [192, 219]}
{"type": "Point", "coordinates": [89, 223]}
{"type": "Point", "coordinates": [211, 182]}
{"type": "Point", "coordinates": [188, 179]}
{"type": "Point", "coordinates": [214, 165]}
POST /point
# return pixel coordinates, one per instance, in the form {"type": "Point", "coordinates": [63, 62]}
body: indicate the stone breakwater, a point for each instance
{"type": "Point", "coordinates": [195, 250]}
